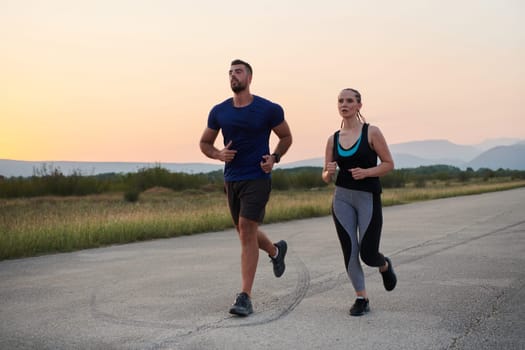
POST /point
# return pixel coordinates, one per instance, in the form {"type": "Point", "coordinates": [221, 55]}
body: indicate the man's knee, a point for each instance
{"type": "Point", "coordinates": [247, 229]}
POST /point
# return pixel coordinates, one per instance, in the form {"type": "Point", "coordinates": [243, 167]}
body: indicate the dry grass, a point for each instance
{"type": "Point", "coordinates": [56, 224]}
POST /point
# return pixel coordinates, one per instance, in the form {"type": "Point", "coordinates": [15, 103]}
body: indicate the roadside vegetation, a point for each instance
{"type": "Point", "coordinates": [52, 212]}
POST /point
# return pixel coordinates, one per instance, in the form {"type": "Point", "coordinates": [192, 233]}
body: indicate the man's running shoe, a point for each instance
{"type": "Point", "coordinates": [242, 305]}
{"type": "Point", "coordinates": [278, 262]}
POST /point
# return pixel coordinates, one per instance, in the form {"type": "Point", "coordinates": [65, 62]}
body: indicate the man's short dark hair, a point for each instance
{"type": "Point", "coordinates": [246, 64]}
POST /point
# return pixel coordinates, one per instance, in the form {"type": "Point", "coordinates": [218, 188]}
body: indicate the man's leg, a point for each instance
{"type": "Point", "coordinates": [249, 237]}
{"type": "Point", "coordinates": [252, 239]}
{"type": "Point", "coordinates": [265, 243]}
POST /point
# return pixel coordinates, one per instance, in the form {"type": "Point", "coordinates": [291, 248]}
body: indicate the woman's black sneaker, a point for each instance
{"type": "Point", "coordinates": [242, 305]}
{"type": "Point", "coordinates": [389, 276]}
{"type": "Point", "coordinates": [360, 307]}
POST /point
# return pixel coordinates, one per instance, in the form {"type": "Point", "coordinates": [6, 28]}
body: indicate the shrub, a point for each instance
{"type": "Point", "coordinates": [394, 179]}
{"type": "Point", "coordinates": [132, 195]}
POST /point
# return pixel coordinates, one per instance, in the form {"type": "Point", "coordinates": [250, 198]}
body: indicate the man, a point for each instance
{"type": "Point", "coordinates": [246, 122]}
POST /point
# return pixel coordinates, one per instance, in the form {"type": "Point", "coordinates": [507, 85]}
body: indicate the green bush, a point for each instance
{"type": "Point", "coordinates": [51, 181]}
{"type": "Point", "coordinates": [420, 182]}
{"type": "Point", "coordinates": [394, 179]}
{"type": "Point", "coordinates": [132, 195]}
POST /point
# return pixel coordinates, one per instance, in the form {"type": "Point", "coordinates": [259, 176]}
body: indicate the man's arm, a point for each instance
{"type": "Point", "coordinates": [207, 146]}
{"type": "Point", "coordinates": [285, 138]}
{"type": "Point", "coordinates": [285, 141]}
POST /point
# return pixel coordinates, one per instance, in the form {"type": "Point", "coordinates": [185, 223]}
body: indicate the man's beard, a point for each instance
{"type": "Point", "coordinates": [238, 88]}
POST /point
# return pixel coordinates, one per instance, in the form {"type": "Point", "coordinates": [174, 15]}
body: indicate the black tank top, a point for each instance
{"type": "Point", "coordinates": [360, 155]}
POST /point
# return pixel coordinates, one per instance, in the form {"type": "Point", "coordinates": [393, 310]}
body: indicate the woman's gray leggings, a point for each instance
{"type": "Point", "coordinates": [358, 219]}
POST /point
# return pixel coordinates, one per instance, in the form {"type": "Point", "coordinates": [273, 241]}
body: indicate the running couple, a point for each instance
{"type": "Point", "coordinates": [246, 122]}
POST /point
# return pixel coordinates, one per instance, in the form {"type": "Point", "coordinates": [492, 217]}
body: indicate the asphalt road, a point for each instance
{"type": "Point", "coordinates": [460, 266]}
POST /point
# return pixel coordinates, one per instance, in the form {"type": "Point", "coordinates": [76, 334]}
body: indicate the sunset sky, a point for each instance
{"type": "Point", "coordinates": [134, 80]}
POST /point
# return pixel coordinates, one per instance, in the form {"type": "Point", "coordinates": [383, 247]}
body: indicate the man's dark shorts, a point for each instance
{"type": "Point", "coordinates": [248, 198]}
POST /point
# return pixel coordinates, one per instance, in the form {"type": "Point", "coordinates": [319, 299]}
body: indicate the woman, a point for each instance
{"type": "Point", "coordinates": [356, 207]}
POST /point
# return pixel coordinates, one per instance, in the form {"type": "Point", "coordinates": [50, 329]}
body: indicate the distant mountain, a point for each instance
{"type": "Point", "coordinates": [317, 162]}
{"type": "Point", "coordinates": [406, 155]}
{"type": "Point", "coordinates": [10, 168]}
{"type": "Point", "coordinates": [436, 150]}
{"type": "Point", "coordinates": [504, 157]}
{"type": "Point", "coordinates": [403, 160]}
{"type": "Point", "coordinates": [433, 152]}
{"type": "Point", "coordinates": [491, 143]}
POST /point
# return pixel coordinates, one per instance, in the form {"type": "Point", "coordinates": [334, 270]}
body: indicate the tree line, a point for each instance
{"type": "Point", "coordinates": [52, 181]}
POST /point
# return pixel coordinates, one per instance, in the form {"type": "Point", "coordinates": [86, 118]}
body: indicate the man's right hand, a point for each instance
{"type": "Point", "coordinates": [226, 154]}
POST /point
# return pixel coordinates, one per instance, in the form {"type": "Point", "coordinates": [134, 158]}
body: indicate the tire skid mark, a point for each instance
{"type": "Point", "coordinates": [285, 305]}
{"type": "Point", "coordinates": [110, 318]}
{"type": "Point", "coordinates": [442, 244]}
{"type": "Point", "coordinates": [511, 293]}
{"type": "Point", "coordinates": [304, 287]}
{"type": "Point", "coordinates": [291, 301]}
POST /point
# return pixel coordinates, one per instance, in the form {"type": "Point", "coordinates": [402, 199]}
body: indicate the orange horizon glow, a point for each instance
{"type": "Point", "coordinates": [134, 81]}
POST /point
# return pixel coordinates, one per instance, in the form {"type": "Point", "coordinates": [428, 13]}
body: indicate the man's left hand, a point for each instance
{"type": "Point", "coordinates": [267, 163]}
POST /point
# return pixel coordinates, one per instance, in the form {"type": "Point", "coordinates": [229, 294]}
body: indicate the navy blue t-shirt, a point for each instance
{"type": "Point", "coordinates": [249, 128]}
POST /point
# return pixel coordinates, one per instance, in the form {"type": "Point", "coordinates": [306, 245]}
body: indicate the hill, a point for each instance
{"type": "Point", "coordinates": [504, 157]}
{"type": "Point", "coordinates": [436, 150]}
{"type": "Point", "coordinates": [509, 154]}
{"type": "Point", "coordinates": [10, 168]}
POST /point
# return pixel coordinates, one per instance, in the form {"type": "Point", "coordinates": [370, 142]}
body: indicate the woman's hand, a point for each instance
{"type": "Point", "coordinates": [358, 173]}
{"type": "Point", "coordinates": [331, 168]}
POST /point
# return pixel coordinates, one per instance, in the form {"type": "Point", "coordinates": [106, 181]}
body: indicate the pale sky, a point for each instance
{"type": "Point", "coordinates": [134, 80]}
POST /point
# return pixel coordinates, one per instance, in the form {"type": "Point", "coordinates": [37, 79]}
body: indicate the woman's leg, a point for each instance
{"type": "Point", "coordinates": [345, 219]}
